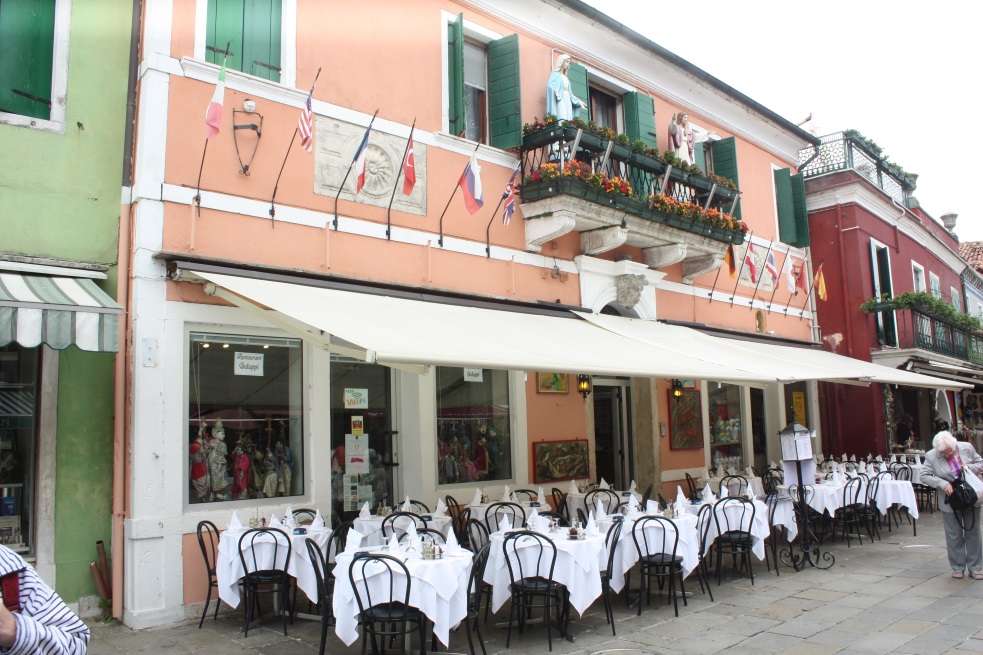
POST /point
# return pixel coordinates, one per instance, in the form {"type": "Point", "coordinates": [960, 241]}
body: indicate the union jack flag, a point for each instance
{"type": "Point", "coordinates": [305, 124]}
{"type": "Point", "coordinates": [509, 198]}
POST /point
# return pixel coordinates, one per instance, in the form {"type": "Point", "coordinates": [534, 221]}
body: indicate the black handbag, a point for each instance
{"type": "Point", "coordinates": [963, 495]}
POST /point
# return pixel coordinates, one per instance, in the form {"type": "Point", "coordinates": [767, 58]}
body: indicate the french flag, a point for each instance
{"type": "Point", "coordinates": [360, 159]}
{"type": "Point", "coordinates": [470, 184]}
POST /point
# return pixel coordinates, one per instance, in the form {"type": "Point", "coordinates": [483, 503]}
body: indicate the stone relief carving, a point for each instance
{"type": "Point", "coordinates": [629, 289]}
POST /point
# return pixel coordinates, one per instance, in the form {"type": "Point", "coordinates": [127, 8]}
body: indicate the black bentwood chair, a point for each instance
{"type": "Point", "coordinates": [656, 539]}
{"type": "Point", "coordinates": [385, 613]}
{"type": "Point", "coordinates": [513, 511]}
{"type": "Point", "coordinates": [529, 555]}
{"type": "Point", "coordinates": [400, 522]}
{"type": "Point", "coordinates": [208, 542]}
{"type": "Point", "coordinates": [325, 588]}
{"type": "Point", "coordinates": [478, 538]}
{"type": "Point", "coordinates": [734, 517]}
{"type": "Point", "coordinates": [560, 501]}
{"type": "Point", "coordinates": [476, 589]}
{"type": "Point", "coordinates": [609, 500]}
{"type": "Point", "coordinates": [259, 580]}
{"type": "Point", "coordinates": [612, 541]}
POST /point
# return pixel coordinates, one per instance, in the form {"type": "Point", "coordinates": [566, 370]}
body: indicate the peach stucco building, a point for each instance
{"type": "Point", "coordinates": [312, 341]}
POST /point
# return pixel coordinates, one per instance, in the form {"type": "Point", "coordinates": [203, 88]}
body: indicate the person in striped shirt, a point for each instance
{"type": "Point", "coordinates": [43, 624]}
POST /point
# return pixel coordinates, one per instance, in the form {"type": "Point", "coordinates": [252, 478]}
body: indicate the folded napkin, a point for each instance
{"type": "Point", "coordinates": [724, 491]}
{"type": "Point", "coordinates": [541, 498]}
{"type": "Point", "coordinates": [411, 532]}
{"type": "Point", "coordinates": [572, 487]}
{"type": "Point", "coordinates": [749, 472]}
{"type": "Point", "coordinates": [708, 497]}
{"type": "Point", "coordinates": [870, 456]}
{"type": "Point", "coordinates": [632, 505]}
{"type": "Point", "coordinates": [407, 507]}
{"type": "Point", "coordinates": [772, 465]}
{"type": "Point", "coordinates": [894, 459]}
{"type": "Point", "coordinates": [598, 508]}
{"type": "Point", "coordinates": [513, 498]}
{"type": "Point", "coordinates": [719, 473]}
{"type": "Point", "coordinates": [504, 524]}
{"type": "Point", "coordinates": [838, 478]}
{"type": "Point", "coordinates": [731, 471]}
{"type": "Point", "coordinates": [288, 518]}
{"type": "Point", "coordinates": [353, 541]}
{"type": "Point", "coordinates": [234, 522]}
{"type": "Point", "coordinates": [441, 508]}
{"type": "Point", "coordinates": [844, 457]}
{"type": "Point", "coordinates": [477, 497]}
{"type": "Point", "coordinates": [853, 458]}
{"type": "Point", "coordinates": [591, 526]}
{"type": "Point", "coordinates": [275, 522]}
{"type": "Point", "coordinates": [680, 498]}
{"type": "Point", "coordinates": [318, 522]}
{"type": "Point", "coordinates": [532, 521]}
{"type": "Point", "coordinates": [918, 460]}
{"type": "Point", "coordinates": [393, 545]}
{"type": "Point", "coordinates": [862, 467]}
{"type": "Point", "coordinates": [705, 474]}
{"type": "Point", "coordinates": [364, 513]}
{"type": "Point", "coordinates": [452, 547]}
{"type": "Point", "coordinates": [632, 488]}
{"type": "Point", "coordinates": [603, 484]}
{"type": "Point", "coordinates": [506, 498]}
{"type": "Point", "coordinates": [878, 459]}
{"type": "Point", "coordinates": [651, 507]}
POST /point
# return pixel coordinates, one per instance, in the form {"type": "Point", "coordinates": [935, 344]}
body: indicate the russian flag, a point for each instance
{"type": "Point", "coordinates": [360, 159]}
{"type": "Point", "coordinates": [470, 184]}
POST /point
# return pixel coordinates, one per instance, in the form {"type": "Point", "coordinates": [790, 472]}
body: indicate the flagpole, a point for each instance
{"type": "Point", "coordinates": [389, 211]}
{"type": "Point", "coordinates": [717, 277]}
{"type": "Point", "coordinates": [740, 272]}
{"type": "Point", "coordinates": [334, 222]}
{"type": "Point", "coordinates": [772, 299]}
{"type": "Point", "coordinates": [201, 167]}
{"type": "Point", "coordinates": [292, 138]}
{"type": "Point", "coordinates": [802, 313]}
{"type": "Point", "coordinates": [770, 246]}
{"type": "Point", "coordinates": [440, 240]}
{"type": "Point", "coordinates": [492, 219]}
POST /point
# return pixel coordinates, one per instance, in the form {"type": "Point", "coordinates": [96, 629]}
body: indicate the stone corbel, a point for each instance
{"type": "Point", "coordinates": [547, 228]}
{"type": "Point", "coordinates": [628, 289]}
{"type": "Point", "coordinates": [662, 256]}
{"type": "Point", "coordinates": [696, 266]}
{"type": "Point", "coordinates": [601, 240]}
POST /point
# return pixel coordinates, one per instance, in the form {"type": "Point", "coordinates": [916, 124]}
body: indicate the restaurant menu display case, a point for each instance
{"type": "Point", "coordinates": [726, 424]}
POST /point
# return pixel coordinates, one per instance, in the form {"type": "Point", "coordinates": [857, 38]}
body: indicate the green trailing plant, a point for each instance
{"type": "Point", "coordinates": [638, 146]}
{"type": "Point", "coordinates": [878, 152]}
{"type": "Point", "coordinates": [925, 303]}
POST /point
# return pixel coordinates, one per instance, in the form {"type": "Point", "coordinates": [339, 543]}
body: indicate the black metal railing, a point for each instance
{"type": "Point", "coordinates": [917, 329]}
{"type": "Point", "coordinates": [845, 150]}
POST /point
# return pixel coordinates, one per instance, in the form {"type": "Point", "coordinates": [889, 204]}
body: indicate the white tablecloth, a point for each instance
{"type": "Point", "coordinates": [627, 554]}
{"type": "Point", "coordinates": [371, 528]}
{"type": "Point", "coordinates": [439, 588]}
{"type": "Point", "coordinates": [578, 566]}
{"type": "Point", "coordinates": [760, 530]}
{"type": "Point", "coordinates": [577, 501]}
{"type": "Point", "coordinates": [228, 566]}
{"type": "Point", "coordinates": [478, 511]}
{"type": "Point", "coordinates": [754, 483]}
{"type": "Point", "coordinates": [828, 497]}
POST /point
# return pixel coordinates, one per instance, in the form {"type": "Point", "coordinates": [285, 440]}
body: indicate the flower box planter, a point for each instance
{"type": "Point", "coordinates": [629, 205]}
{"type": "Point", "coordinates": [620, 151]}
{"type": "Point", "coordinates": [693, 226]}
{"type": "Point", "coordinates": [647, 163]}
{"type": "Point", "coordinates": [542, 137]}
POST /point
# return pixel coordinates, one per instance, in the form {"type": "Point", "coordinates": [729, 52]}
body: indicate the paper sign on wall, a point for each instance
{"type": "Point", "coordinates": [249, 364]}
{"type": "Point", "coordinates": [358, 426]}
{"type": "Point", "coordinates": [356, 398]}
{"type": "Point", "coordinates": [356, 454]}
{"type": "Point", "coordinates": [799, 407]}
{"type": "Point", "coordinates": [474, 374]}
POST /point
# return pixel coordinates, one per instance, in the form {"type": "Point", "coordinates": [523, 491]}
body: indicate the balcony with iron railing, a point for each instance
{"type": "Point", "coordinates": [915, 328]}
{"type": "Point", "coordinates": [614, 194]}
{"type": "Point", "coordinates": [849, 150]}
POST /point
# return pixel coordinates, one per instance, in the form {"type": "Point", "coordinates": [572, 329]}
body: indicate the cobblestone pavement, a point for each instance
{"type": "Point", "coordinates": [891, 596]}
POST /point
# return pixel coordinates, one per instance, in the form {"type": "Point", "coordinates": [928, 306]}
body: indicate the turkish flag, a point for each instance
{"type": "Point", "coordinates": [409, 170]}
{"type": "Point", "coordinates": [802, 279]}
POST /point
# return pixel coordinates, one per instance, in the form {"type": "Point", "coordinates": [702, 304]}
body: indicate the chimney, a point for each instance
{"type": "Point", "coordinates": [949, 220]}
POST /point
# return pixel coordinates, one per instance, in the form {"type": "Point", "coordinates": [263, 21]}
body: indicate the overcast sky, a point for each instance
{"type": "Point", "coordinates": [906, 74]}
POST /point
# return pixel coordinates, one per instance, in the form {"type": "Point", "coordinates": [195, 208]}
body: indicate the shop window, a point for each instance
{"type": "Point", "coordinates": [474, 436]}
{"type": "Point", "coordinates": [27, 32]}
{"type": "Point", "coordinates": [18, 433]}
{"type": "Point", "coordinates": [724, 402]}
{"type": "Point", "coordinates": [362, 453]}
{"type": "Point", "coordinates": [483, 90]}
{"type": "Point", "coordinates": [245, 433]}
{"type": "Point", "coordinates": [251, 28]}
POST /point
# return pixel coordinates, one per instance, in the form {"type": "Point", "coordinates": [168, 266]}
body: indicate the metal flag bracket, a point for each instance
{"type": "Point", "coordinates": [255, 127]}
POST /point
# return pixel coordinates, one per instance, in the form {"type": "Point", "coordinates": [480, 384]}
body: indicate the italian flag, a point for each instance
{"type": "Point", "coordinates": [213, 115]}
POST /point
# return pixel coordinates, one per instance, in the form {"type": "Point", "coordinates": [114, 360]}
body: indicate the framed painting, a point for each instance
{"type": "Point", "coordinates": [560, 460]}
{"type": "Point", "coordinates": [685, 421]}
{"type": "Point", "coordinates": [552, 383]}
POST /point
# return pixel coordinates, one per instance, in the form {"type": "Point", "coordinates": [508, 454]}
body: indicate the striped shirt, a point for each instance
{"type": "Point", "coordinates": [45, 625]}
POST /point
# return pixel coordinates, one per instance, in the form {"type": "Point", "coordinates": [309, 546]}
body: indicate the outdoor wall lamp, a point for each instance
{"type": "Point", "coordinates": [583, 385]}
{"type": "Point", "coordinates": [677, 389]}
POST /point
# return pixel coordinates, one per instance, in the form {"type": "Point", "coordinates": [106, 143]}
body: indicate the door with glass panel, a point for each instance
{"type": "Point", "coordinates": [612, 432]}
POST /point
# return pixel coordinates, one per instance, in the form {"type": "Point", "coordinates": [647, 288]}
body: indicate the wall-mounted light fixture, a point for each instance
{"type": "Point", "coordinates": [677, 389]}
{"type": "Point", "coordinates": [584, 386]}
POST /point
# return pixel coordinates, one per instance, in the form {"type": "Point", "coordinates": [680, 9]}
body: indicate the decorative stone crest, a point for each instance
{"type": "Point", "coordinates": [629, 289]}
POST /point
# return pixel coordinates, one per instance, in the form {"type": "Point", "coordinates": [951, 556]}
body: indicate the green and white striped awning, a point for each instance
{"type": "Point", "coordinates": [58, 311]}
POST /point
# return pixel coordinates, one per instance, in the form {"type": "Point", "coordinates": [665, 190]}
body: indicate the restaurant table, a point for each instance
{"type": "Point", "coordinates": [627, 554]}
{"type": "Point", "coordinates": [753, 482]}
{"type": "Point", "coordinates": [578, 567]}
{"type": "Point", "coordinates": [228, 565]}
{"type": "Point", "coordinates": [760, 530]}
{"type": "Point", "coordinates": [438, 588]}
{"type": "Point", "coordinates": [478, 511]}
{"type": "Point", "coordinates": [828, 497]}
{"type": "Point", "coordinates": [577, 501]}
{"type": "Point", "coordinates": [371, 528]}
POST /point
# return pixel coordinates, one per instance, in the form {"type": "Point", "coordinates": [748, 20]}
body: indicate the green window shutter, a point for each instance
{"type": "Point", "coordinates": [640, 118]}
{"type": "Point", "coordinates": [224, 26]}
{"type": "Point", "coordinates": [725, 164]}
{"type": "Point", "coordinates": [27, 34]}
{"type": "Point", "coordinates": [801, 212]}
{"type": "Point", "coordinates": [786, 209]}
{"type": "Point", "coordinates": [261, 39]}
{"type": "Point", "coordinates": [700, 157]}
{"type": "Point", "coordinates": [577, 75]}
{"type": "Point", "coordinates": [504, 99]}
{"type": "Point", "coordinates": [455, 74]}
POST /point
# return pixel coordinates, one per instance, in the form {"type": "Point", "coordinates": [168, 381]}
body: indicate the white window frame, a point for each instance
{"type": "Point", "coordinates": [876, 245]}
{"type": "Point", "coordinates": [288, 40]}
{"type": "Point", "coordinates": [59, 78]}
{"type": "Point", "coordinates": [956, 298]}
{"type": "Point", "coordinates": [472, 32]}
{"type": "Point", "coordinates": [605, 85]}
{"type": "Point", "coordinates": [774, 198]}
{"type": "Point", "coordinates": [933, 284]}
{"type": "Point", "coordinates": [918, 268]}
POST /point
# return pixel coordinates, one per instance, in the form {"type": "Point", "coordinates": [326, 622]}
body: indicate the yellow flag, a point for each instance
{"type": "Point", "coordinates": [820, 283]}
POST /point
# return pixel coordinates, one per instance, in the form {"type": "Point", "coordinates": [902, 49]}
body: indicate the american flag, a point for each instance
{"type": "Point", "coordinates": [305, 124]}
{"type": "Point", "coordinates": [509, 198]}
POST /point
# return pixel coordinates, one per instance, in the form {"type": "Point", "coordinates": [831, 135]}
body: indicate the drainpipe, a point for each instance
{"type": "Point", "coordinates": [120, 409]}
{"type": "Point", "coordinates": [843, 280]}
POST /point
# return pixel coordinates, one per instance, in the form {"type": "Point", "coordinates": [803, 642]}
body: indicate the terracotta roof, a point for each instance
{"type": "Point", "coordinates": [972, 252]}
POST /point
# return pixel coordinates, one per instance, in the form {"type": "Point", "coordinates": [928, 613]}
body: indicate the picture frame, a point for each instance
{"type": "Point", "coordinates": [685, 421]}
{"type": "Point", "coordinates": [554, 461]}
{"type": "Point", "coordinates": [552, 382]}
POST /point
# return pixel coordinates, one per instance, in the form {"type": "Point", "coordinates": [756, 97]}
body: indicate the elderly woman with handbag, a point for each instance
{"type": "Point", "coordinates": [946, 466]}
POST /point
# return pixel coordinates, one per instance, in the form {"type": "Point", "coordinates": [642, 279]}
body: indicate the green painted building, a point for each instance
{"type": "Point", "coordinates": [63, 116]}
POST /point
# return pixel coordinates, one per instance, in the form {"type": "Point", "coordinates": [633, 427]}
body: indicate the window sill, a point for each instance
{"type": "Point", "coordinates": [463, 146]}
{"type": "Point", "coordinates": [40, 124]}
{"type": "Point", "coordinates": [197, 69]}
